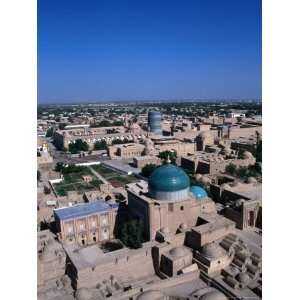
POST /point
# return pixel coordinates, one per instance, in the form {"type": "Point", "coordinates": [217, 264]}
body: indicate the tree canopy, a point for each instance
{"type": "Point", "coordinates": [148, 169]}
{"type": "Point", "coordinates": [119, 141]}
{"type": "Point", "coordinates": [100, 145]}
{"type": "Point", "coordinates": [164, 155]}
{"type": "Point", "coordinates": [78, 146]}
{"type": "Point", "coordinates": [50, 132]}
{"type": "Point", "coordinates": [60, 167]}
{"type": "Point", "coordinates": [243, 172]}
{"type": "Point", "coordinates": [132, 233]}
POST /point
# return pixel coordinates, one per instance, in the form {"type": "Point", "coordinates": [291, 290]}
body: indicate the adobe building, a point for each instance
{"type": "Point", "coordinates": [51, 258]}
{"type": "Point", "coordinates": [204, 139]}
{"type": "Point", "coordinates": [173, 144]}
{"type": "Point", "coordinates": [242, 200]}
{"type": "Point", "coordinates": [189, 245]}
{"type": "Point", "coordinates": [125, 151]}
{"type": "Point", "coordinates": [166, 201]}
{"type": "Point", "coordinates": [86, 223]}
{"type": "Point", "coordinates": [213, 163]}
{"type": "Point", "coordinates": [142, 161]}
{"type": "Point", "coordinates": [62, 138]}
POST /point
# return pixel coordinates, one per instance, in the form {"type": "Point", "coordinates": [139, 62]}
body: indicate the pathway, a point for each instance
{"type": "Point", "coordinates": [98, 175]}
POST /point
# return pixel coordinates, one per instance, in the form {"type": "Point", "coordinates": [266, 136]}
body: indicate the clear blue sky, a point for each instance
{"type": "Point", "coordinates": [148, 49]}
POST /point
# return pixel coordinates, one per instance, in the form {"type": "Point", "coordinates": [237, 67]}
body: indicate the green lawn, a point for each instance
{"type": "Point", "coordinates": [74, 182]}
{"type": "Point", "coordinates": [118, 181]}
{"type": "Point", "coordinates": [115, 178]}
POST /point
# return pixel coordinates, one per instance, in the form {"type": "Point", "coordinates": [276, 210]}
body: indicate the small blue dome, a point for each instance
{"type": "Point", "coordinates": [198, 191]}
{"type": "Point", "coordinates": [168, 178]}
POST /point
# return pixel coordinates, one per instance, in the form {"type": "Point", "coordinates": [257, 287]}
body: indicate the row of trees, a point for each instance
{"type": "Point", "coordinates": [67, 169]}
{"type": "Point", "coordinates": [80, 145]}
{"type": "Point", "coordinates": [77, 146]}
{"type": "Point", "coordinates": [107, 123]}
{"type": "Point", "coordinates": [119, 141]}
{"type": "Point", "coordinates": [100, 145]}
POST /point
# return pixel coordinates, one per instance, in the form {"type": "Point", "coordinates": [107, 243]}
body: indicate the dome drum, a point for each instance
{"type": "Point", "coordinates": [171, 196]}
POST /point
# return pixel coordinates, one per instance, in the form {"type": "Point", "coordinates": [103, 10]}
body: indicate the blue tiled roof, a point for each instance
{"type": "Point", "coordinates": [168, 178]}
{"type": "Point", "coordinates": [83, 209]}
{"type": "Point", "coordinates": [198, 191]}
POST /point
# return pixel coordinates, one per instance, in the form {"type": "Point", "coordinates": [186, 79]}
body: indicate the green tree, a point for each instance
{"type": "Point", "coordinates": [59, 167]}
{"type": "Point", "coordinates": [148, 169]}
{"type": "Point", "coordinates": [258, 153]}
{"type": "Point", "coordinates": [119, 141]}
{"type": "Point", "coordinates": [132, 233]}
{"type": "Point", "coordinates": [242, 172]}
{"type": "Point", "coordinates": [165, 155]}
{"type": "Point", "coordinates": [61, 126]}
{"type": "Point", "coordinates": [100, 145]}
{"type": "Point", "coordinates": [78, 146]}
{"type": "Point", "coordinates": [231, 169]}
{"type": "Point", "coordinates": [118, 123]}
{"type": "Point", "coordinates": [72, 169]}
{"type": "Point", "coordinates": [104, 123]}
{"type": "Point", "coordinates": [50, 132]}
{"type": "Point", "coordinates": [47, 190]}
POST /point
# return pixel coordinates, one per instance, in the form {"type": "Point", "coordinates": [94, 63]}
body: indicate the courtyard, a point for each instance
{"type": "Point", "coordinates": [75, 182]}
{"type": "Point", "coordinates": [115, 178]}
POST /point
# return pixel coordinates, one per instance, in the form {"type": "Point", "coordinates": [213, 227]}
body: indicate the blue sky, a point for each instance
{"type": "Point", "coordinates": [101, 50]}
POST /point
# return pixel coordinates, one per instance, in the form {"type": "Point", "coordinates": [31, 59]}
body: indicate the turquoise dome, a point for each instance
{"type": "Point", "coordinates": [198, 191]}
{"type": "Point", "coordinates": [168, 178]}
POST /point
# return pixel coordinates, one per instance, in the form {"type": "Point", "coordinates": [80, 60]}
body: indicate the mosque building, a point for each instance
{"type": "Point", "coordinates": [168, 201]}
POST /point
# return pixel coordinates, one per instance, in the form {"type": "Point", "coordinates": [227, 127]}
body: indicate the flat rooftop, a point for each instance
{"type": "Point", "coordinates": [215, 223]}
{"type": "Point", "coordinates": [93, 256]}
{"type": "Point", "coordinates": [83, 209]}
{"type": "Point", "coordinates": [248, 190]}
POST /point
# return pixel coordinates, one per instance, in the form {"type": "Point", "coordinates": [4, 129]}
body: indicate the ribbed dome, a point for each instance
{"type": "Point", "coordinates": [168, 178]}
{"type": "Point", "coordinates": [198, 192]}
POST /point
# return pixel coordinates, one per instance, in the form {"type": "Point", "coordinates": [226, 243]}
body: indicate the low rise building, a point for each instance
{"type": "Point", "coordinates": [142, 161]}
{"type": "Point", "coordinates": [86, 223]}
{"type": "Point", "coordinates": [213, 163]}
{"type": "Point", "coordinates": [125, 151]}
{"type": "Point", "coordinates": [243, 202]}
{"type": "Point", "coordinates": [62, 138]}
{"type": "Point", "coordinates": [51, 258]}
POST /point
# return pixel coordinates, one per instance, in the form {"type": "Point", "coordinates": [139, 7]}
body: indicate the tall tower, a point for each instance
{"type": "Point", "coordinates": [154, 122]}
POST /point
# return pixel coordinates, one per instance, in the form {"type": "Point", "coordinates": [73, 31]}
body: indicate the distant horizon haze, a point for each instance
{"type": "Point", "coordinates": [102, 51]}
